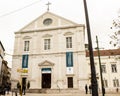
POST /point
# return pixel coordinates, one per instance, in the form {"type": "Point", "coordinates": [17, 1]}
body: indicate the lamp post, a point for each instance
{"type": "Point", "coordinates": [101, 76]}
{"type": "Point", "coordinates": [93, 71]}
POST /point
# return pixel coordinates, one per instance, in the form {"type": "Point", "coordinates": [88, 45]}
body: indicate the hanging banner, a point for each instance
{"type": "Point", "coordinates": [69, 59]}
{"type": "Point", "coordinates": [25, 61]}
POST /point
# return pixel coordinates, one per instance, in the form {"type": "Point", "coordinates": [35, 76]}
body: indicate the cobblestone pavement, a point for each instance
{"type": "Point", "coordinates": [60, 94]}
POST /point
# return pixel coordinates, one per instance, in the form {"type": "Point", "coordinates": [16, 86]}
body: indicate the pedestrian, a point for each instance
{"type": "Point", "coordinates": [117, 90]}
{"type": "Point", "coordinates": [86, 89]}
{"type": "Point", "coordinates": [19, 87]}
{"type": "Point", "coordinates": [8, 88]}
{"type": "Point", "coordinates": [23, 89]}
{"type": "Point", "coordinates": [103, 91]}
{"type": "Point", "coordinates": [90, 89]}
{"type": "Point", "coordinates": [28, 85]}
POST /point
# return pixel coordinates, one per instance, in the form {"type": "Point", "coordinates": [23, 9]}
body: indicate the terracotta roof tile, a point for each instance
{"type": "Point", "coordinates": [105, 52]}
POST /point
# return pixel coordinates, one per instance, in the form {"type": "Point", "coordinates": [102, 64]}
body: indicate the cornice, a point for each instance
{"type": "Point", "coordinates": [58, 53]}
{"type": "Point", "coordinates": [51, 28]}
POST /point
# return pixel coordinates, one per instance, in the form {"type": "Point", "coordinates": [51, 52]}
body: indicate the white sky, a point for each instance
{"type": "Point", "coordinates": [101, 14]}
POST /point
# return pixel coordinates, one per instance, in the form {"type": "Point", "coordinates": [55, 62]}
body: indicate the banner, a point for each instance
{"type": "Point", "coordinates": [69, 59]}
{"type": "Point", "coordinates": [25, 61]}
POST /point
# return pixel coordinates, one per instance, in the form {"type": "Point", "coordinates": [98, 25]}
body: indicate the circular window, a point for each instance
{"type": "Point", "coordinates": [47, 21]}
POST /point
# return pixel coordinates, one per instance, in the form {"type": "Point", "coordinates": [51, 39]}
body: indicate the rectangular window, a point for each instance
{"type": "Point", "coordinates": [114, 68]}
{"type": "Point", "coordinates": [103, 67]}
{"type": "Point", "coordinates": [69, 59]}
{"type": "Point", "coordinates": [26, 45]}
{"type": "Point", "coordinates": [68, 42]}
{"type": "Point", "coordinates": [105, 83]}
{"type": "Point", "coordinates": [24, 61]}
{"type": "Point", "coordinates": [46, 44]}
{"type": "Point", "coordinates": [116, 83]}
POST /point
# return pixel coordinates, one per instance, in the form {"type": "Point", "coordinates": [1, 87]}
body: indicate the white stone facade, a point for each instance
{"type": "Point", "coordinates": [53, 60]}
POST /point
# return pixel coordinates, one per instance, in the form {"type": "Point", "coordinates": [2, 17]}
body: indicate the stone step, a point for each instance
{"type": "Point", "coordinates": [54, 91]}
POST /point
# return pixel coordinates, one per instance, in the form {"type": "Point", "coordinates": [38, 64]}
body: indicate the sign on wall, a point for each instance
{"type": "Point", "coordinates": [46, 70]}
{"type": "Point", "coordinates": [69, 70]}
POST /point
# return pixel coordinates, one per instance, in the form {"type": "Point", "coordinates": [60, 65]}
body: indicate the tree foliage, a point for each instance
{"type": "Point", "coordinates": [115, 37]}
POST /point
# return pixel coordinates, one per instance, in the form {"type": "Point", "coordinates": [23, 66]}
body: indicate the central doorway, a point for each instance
{"type": "Point", "coordinates": [46, 80]}
{"type": "Point", "coordinates": [24, 81]}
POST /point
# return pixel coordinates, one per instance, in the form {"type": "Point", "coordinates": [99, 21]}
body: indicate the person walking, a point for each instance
{"type": "Point", "coordinates": [103, 91]}
{"type": "Point", "coordinates": [23, 89]}
{"type": "Point", "coordinates": [28, 85]}
{"type": "Point", "coordinates": [19, 87]}
{"type": "Point", "coordinates": [86, 89]}
{"type": "Point", "coordinates": [117, 90]}
{"type": "Point", "coordinates": [90, 89]}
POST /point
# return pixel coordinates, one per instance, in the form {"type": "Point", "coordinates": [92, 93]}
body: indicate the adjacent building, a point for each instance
{"type": "Point", "coordinates": [5, 75]}
{"type": "Point", "coordinates": [1, 54]}
{"type": "Point", "coordinates": [110, 65]}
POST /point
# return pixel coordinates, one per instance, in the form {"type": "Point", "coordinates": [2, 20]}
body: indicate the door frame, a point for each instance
{"type": "Point", "coordinates": [45, 83]}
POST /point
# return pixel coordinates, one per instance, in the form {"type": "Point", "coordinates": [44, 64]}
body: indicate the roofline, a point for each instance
{"type": "Point", "coordinates": [43, 15]}
{"type": "Point", "coordinates": [108, 52]}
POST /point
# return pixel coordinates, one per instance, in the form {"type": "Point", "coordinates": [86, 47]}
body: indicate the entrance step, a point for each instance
{"type": "Point", "coordinates": [72, 90]}
{"type": "Point", "coordinates": [63, 91]}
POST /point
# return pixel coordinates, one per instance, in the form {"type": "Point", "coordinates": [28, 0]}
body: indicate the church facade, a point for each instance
{"type": "Point", "coordinates": [50, 53]}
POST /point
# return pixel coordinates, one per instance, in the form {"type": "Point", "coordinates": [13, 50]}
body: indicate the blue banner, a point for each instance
{"type": "Point", "coordinates": [69, 59]}
{"type": "Point", "coordinates": [25, 61]}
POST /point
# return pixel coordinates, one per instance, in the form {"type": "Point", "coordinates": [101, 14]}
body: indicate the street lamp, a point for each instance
{"type": "Point", "coordinates": [101, 76]}
{"type": "Point", "coordinates": [93, 71]}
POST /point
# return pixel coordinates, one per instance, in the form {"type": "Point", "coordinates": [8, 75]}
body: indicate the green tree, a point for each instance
{"type": "Point", "coordinates": [115, 37]}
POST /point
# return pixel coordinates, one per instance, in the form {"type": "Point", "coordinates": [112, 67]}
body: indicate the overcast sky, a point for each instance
{"type": "Point", "coordinates": [15, 14]}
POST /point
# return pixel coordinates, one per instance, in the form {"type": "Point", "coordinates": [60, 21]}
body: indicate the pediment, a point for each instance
{"type": "Point", "coordinates": [46, 63]}
{"type": "Point", "coordinates": [56, 21]}
{"type": "Point", "coordinates": [27, 37]}
{"type": "Point", "coordinates": [68, 33]}
{"type": "Point", "coordinates": [46, 36]}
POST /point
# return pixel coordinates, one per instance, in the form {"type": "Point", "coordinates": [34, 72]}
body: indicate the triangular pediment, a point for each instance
{"type": "Point", "coordinates": [27, 37]}
{"type": "Point", "coordinates": [48, 20]}
{"type": "Point", "coordinates": [68, 33]}
{"type": "Point", "coordinates": [46, 63]}
{"type": "Point", "coordinates": [46, 35]}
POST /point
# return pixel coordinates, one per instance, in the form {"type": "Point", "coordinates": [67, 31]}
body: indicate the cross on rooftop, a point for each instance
{"type": "Point", "coordinates": [48, 5]}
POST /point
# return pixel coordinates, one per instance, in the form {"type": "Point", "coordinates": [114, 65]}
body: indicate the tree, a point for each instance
{"type": "Point", "coordinates": [115, 37]}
